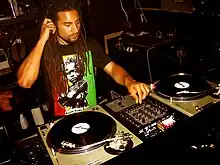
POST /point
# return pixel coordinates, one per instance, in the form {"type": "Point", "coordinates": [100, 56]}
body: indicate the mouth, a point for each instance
{"type": "Point", "coordinates": [74, 36]}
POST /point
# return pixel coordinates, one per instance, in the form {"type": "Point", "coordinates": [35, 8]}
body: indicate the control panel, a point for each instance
{"type": "Point", "coordinates": [147, 119]}
{"type": "Point", "coordinates": [30, 151]}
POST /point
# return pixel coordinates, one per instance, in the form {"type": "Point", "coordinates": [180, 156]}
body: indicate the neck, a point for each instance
{"type": "Point", "coordinates": [61, 41]}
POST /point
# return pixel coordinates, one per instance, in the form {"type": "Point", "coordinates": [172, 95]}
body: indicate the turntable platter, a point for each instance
{"type": "Point", "coordinates": [79, 130]}
{"type": "Point", "coordinates": [182, 87]}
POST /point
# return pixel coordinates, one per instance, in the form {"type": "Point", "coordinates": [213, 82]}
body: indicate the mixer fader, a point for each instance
{"type": "Point", "coordinates": [145, 113]}
{"type": "Point", "coordinates": [146, 119]}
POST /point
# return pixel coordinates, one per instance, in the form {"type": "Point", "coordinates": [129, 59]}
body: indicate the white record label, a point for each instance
{"type": "Point", "coordinates": [80, 128]}
{"type": "Point", "coordinates": [181, 85]}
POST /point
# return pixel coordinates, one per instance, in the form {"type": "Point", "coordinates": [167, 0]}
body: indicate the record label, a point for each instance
{"type": "Point", "coordinates": [80, 128]}
{"type": "Point", "coordinates": [182, 85]}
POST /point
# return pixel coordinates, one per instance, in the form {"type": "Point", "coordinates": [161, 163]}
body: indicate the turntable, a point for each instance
{"type": "Point", "coordinates": [89, 137]}
{"type": "Point", "coordinates": [184, 92]}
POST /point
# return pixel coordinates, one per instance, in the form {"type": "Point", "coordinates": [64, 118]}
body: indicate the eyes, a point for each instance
{"type": "Point", "coordinates": [68, 24]}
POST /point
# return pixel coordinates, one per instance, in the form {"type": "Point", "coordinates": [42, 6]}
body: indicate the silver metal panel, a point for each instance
{"type": "Point", "coordinates": [95, 157]}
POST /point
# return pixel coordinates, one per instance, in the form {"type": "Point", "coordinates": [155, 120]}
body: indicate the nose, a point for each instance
{"type": "Point", "coordinates": [75, 28]}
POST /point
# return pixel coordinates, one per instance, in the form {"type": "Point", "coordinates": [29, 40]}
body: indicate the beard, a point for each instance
{"type": "Point", "coordinates": [73, 38]}
{"type": "Point", "coordinates": [68, 40]}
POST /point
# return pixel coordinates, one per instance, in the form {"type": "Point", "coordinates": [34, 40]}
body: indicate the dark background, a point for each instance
{"type": "Point", "coordinates": [190, 26]}
{"type": "Point", "coordinates": [193, 24]}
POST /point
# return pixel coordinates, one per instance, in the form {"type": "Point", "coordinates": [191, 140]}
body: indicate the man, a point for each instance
{"type": "Point", "coordinates": [62, 43]}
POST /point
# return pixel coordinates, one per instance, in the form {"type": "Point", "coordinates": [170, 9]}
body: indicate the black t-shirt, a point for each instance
{"type": "Point", "coordinates": [100, 59]}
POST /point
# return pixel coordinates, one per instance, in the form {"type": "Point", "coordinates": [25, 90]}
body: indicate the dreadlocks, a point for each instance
{"type": "Point", "coordinates": [53, 61]}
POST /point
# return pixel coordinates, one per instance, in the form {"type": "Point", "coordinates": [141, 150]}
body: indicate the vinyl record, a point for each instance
{"type": "Point", "coordinates": [182, 87]}
{"type": "Point", "coordinates": [80, 130]}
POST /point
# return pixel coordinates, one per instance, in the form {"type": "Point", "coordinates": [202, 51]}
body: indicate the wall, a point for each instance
{"type": "Point", "coordinates": [178, 5]}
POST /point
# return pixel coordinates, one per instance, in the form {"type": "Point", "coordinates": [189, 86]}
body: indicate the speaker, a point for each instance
{"type": "Point", "coordinates": [5, 10]}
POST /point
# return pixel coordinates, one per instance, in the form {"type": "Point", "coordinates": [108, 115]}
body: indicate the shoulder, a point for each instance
{"type": "Point", "coordinates": [91, 42]}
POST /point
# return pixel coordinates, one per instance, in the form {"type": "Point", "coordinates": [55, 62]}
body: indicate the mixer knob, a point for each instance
{"type": "Point", "coordinates": [122, 115]}
{"type": "Point", "coordinates": [134, 114]}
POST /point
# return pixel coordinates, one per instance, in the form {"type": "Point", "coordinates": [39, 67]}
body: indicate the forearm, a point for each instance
{"type": "Point", "coordinates": [29, 69]}
{"type": "Point", "coordinates": [119, 74]}
{"type": "Point", "coordinates": [138, 90]}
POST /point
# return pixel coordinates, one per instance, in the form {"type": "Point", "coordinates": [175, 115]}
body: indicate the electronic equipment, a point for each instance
{"type": "Point", "coordinates": [171, 99]}
{"type": "Point", "coordinates": [4, 63]}
{"type": "Point", "coordinates": [89, 137]}
{"type": "Point", "coordinates": [30, 151]}
{"type": "Point", "coordinates": [145, 120]}
{"type": "Point", "coordinates": [5, 10]}
{"type": "Point", "coordinates": [185, 93]}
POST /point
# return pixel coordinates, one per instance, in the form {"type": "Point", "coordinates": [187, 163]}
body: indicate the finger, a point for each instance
{"type": "Point", "coordinates": [51, 27]}
{"type": "Point", "coordinates": [140, 94]}
{"type": "Point", "coordinates": [134, 95]}
{"type": "Point", "coordinates": [46, 20]}
{"type": "Point", "coordinates": [147, 88]}
{"type": "Point", "coordinates": [144, 91]}
{"type": "Point", "coordinates": [48, 25]}
{"type": "Point", "coordinates": [49, 20]}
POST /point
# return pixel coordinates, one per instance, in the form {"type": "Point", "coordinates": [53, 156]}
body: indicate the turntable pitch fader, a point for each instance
{"type": "Point", "coordinates": [83, 147]}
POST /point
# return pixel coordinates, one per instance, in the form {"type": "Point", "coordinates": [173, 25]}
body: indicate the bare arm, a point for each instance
{"type": "Point", "coordinates": [29, 69]}
{"type": "Point", "coordinates": [138, 90]}
{"type": "Point", "coordinates": [118, 74]}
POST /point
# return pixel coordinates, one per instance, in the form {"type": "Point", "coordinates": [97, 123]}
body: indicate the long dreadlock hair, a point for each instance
{"type": "Point", "coordinates": [53, 61]}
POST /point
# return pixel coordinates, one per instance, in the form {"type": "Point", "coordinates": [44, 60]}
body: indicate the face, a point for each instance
{"type": "Point", "coordinates": [71, 72]}
{"type": "Point", "coordinates": [68, 26]}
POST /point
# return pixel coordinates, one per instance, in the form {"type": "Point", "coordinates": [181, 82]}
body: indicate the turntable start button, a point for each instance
{"type": "Point", "coordinates": [95, 108]}
{"type": "Point", "coordinates": [197, 107]}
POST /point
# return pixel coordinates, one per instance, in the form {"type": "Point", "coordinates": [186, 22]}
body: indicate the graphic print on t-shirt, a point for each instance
{"type": "Point", "coordinates": [75, 98]}
{"type": "Point", "coordinates": [81, 92]}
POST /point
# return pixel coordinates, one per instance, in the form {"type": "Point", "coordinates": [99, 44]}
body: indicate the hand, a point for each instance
{"type": "Point", "coordinates": [4, 100]}
{"type": "Point", "coordinates": [138, 91]}
{"type": "Point", "coordinates": [46, 28]}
